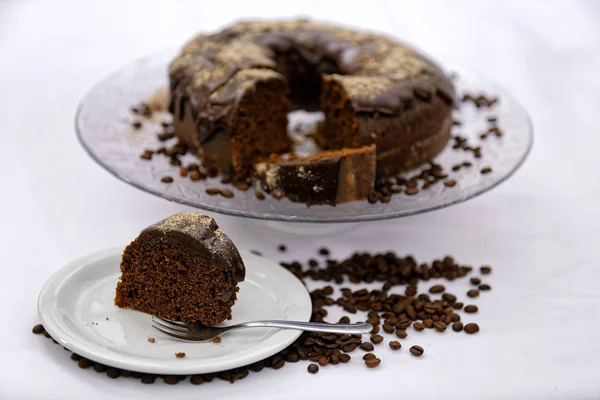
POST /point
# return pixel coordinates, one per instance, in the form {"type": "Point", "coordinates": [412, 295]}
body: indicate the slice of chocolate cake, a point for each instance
{"type": "Point", "coordinates": [181, 269]}
{"type": "Point", "coordinates": [329, 177]}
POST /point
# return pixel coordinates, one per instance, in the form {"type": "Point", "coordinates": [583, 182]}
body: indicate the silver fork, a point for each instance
{"type": "Point", "coordinates": [199, 333]}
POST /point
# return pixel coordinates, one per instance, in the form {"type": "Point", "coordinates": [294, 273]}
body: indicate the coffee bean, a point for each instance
{"type": "Point", "coordinates": [416, 351]}
{"type": "Point", "coordinates": [388, 328]}
{"type": "Point", "coordinates": [313, 368]}
{"type": "Point", "coordinates": [136, 124]}
{"type": "Point", "coordinates": [419, 326]}
{"type": "Point", "coordinates": [411, 191]}
{"type": "Point", "coordinates": [439, 326]}
{"type": "Point", "coordinates": [171, 379]}
{"type": "Point", "coordinates": [485, 270]}
{"type": "Point", "coordinates": [257, 366]}
{"type": "Point", "coordinates": [75, 357]}
{"type": "Point", "coordinates": [147, 155]}
{"type": "Point", "coordinates": [165, 136]}
{"type": "Point", "coordinates": [197, 379]}
{"type": "Point", "coordinates": [471, 328]}
{"type": "Point", "coordinates": [282, 248]}
{"type": "Point", "coordinates": [148, 379]}
{"type": "Point", "coordinates": [471, 309]}
{"type": "Point", "coordinates": [226, 193]}
{"type": "Point", "coordinates": [113, 373]}
{"type": "Point", "coordinates": [486, 170]}
{"type": "Point", "coordinates": [395, 345]}
{"type": "Point", "coordinates": [166, 179]}
{"type": "Point", "coordinates": [344, 320]}
{"type": "Point", "coordinates": [366, 346]}
{"type": "Point", "coordinates": [324, 251]}
{"type": "Point", "coordinates": [457, 306]}
{"type": "Point", "coordinates": [260, 195]}
{"type": "Point", "coordinates": [485, 286]}
{"type": "Point", "coordinates": [212, 191]}
{"type": "Point", "coordinates": [401, 333]}
{"type": "Point", "coordinates": [376, 339]}
{"type": "Point", "coordinates": [372, 198]}
{"type": "Point", "coordinates": [450, 183]}
{"type": "Point", "coordinates": [100, 367]}
{"type": "Point", "coordinates": [373, 321]}
{"type": "Point", "coordinates": [375, 330]}
{"type": "Point", "coordinates": [278, 362]}
{"type": "Point", "coordinates": [457, 326]}
{"type": "Point", "coordinates": [428, 323]}
{"type": "Point", "coordinates": [450, 298]}
{"type": "Point", "coordinates": [84, 363]}
{"type": "Point", "coordinates": [196, 176]}
{"type": "Point", "coordinates": [437, 289]}
{"type": "Point", "coordinates": [344, 358]}
{"type": "Point", "coordinates": [38, 329]}
{"type": "Point", "coordinates": [475, 281]}
{"type": "Point", "coordinates": [454, 317]}
{"type": "Point", "coordinates": [46, 334]}
{"type": "Point", "coordinates": [369, 356]}
{"type": "Point", "coordinates": [292, 357]}
{"type": "Point", "coordinates": [373, 363]}
{"type": "Point", "coordinates": [473, 293]}
{"type": "Point", "coordinates": [323, 361]}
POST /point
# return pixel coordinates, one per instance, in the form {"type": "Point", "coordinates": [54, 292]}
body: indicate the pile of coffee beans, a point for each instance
{"type": "Point", "coordinates": [390, 313]}
{"type": "Point", "coordinates": [410, 185]}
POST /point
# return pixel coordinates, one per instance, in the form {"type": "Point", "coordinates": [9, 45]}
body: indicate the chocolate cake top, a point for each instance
{"type": "Point", "coordinates": [379, 73]}
{"type": "Point", "coordinates": [205, 237]}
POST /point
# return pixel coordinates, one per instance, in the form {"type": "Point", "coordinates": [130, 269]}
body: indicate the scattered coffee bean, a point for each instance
{"type": "Point", "coordinates": [226, 193]}
{"type": "Point", "coordinates": [196, 175]}
{"type": "Point", "coordinates": [484, 287]}
{"type": "Point", "coordinates": [416, 351]}
{"type": "Point", "coordinates": [376, 339]}
{"type": "Point", "coordinates": [344, 320]}
{"type": "Point", "coordinates": [278, 362]}
{"type": "Point", "coordinates": [395, 345]}
{"type": "Point", "coordinates": [166, 179]}
{"type": "Point", "coordinates": [151, 340]}
{"type": "Point", "coordinates": [457, 326]}
{"type": "Point", "coordinates": [282, 248]}
{"type": "Point", "coordinates": [486, 170]}
{"type": "Point", "coordinates": [366, 346]}
{"type": "Point", "coordinates": [471, 328]}
{"type": "Point", "coordinates": [471, 309]}
{"type": "Point", "coordinates": [323, 361]}
{"type": "Point", "coordinates": [373, 363]}
{"type": "Point", "coordinates": [165, 136]}
{"type": "Point", "coordinates": [419, 326]}
{"type": "Point", "coordinates": [344, 358]}
{"type": "Point", "coordinates": [100, 368]}
{"type": "Point", "coordinates": [475, 281]}
{"type": "Point", "coordinates": [75, 357]}
{"type": "Point", "coordinates": [84, 363]}
{"type": "Point", "coordinates": [313, 368]}
{"type": "Point", "coordinates": [260, 195]}
{"type": "Point", "coordinates": [437, 289]}
{"type": "Point", "coordinates": [450, 298]}
{"type": "Point", "coordinates": [46, 334]}
{"type": "Point", "coordinates": [148, 378]}
{"type": "Point", "coordinates": [457, 306]}
{"type": "Point", "coordinates": [38, 329]}
{"type": "Point", "coordinates": [411, 191]}
{"type": "Point", "coordinates": [369, 356]}
{"type": "Point", "coordinates": [401, 333]}
{"type": "Point", "coordinates": [439, 326]}
{"type": "Point", "coordinates": [324, 251]}
{"type": "Point", "coordinates": [485, 270]}
{"type": "Point", "coordinates": [180, 355]}
{"type": "Point", "coordinates": [387, 328]}
{"type": "Point", "coordinates": [147, 155]}
{"type": "Point", "coordinates": [473, 293]}
{"type": "Point", "coordinates": [113, 373]}
{"type": "Point", "coordinates": [197, 379]}
{"type": "Point", "coordinates": [136, 124]}
{"type": "Point", "coordinates": [212, 191]}
{"type": "Point", "coordinates": [450, 183]}
{"type": "Point", "coordinates": [171, 379]}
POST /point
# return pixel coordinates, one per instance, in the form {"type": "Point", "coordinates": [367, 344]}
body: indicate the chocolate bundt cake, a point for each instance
{"type": "Point", "coordinates": [181, 269]}
{"type": "Point", "coordinates": [231, 92]}
{"type": "Point", "coordinates": [329, 177]}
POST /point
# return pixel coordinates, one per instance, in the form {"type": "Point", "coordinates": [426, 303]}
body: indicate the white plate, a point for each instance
{"type": "Point", "coordinates": [77, 308]}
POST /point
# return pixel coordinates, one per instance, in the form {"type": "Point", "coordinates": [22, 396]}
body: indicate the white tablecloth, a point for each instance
{"type": "Point", "coordinates": [540, 335]}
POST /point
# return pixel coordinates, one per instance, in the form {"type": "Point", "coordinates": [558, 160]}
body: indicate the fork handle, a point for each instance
{"type": "Point", "coordinates": [310, 326]}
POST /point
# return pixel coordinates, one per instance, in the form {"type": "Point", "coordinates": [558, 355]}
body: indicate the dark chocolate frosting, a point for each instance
{"type": "Point", "coordinates": [201, 234]}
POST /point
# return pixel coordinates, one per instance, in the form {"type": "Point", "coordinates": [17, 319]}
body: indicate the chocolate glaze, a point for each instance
{"type": "Point", "coordinates": [200, 234]}
{"type": "Point", "coordinates": [379, 75]}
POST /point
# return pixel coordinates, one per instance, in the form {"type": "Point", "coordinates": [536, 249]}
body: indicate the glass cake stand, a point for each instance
{"type": "Point", "coordinates": [103, 124]}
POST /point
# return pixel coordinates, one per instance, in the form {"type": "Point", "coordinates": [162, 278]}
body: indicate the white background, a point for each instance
{"type": "Point", "coordinates": [540, 335]}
